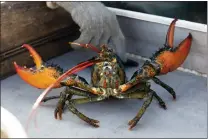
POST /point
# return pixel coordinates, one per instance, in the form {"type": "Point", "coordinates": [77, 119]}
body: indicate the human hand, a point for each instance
{"type": "Point", "coordinates": [97, 25]}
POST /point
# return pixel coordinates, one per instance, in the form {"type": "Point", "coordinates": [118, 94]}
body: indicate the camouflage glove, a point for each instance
{"type": "Point", "coordinates": [97, 25]}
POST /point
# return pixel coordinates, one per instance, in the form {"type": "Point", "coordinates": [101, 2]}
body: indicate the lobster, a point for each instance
{"type": "Point", "coordinates": [108, 78]}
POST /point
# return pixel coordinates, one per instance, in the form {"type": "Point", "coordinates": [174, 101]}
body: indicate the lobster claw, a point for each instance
{"type": "Point", "coordinates": [169, 58]}
{"type": "Point", "coordinates": [166, 59]}
{"type": "Point", "coordinates": [41, 77]}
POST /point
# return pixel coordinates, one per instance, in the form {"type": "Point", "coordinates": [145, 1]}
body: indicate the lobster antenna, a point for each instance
{"type": "Point", "coordinates": [86, 46]}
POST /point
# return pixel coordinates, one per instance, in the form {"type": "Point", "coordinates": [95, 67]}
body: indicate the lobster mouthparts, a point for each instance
{"type": "Point", "coordinates": [42, 76]}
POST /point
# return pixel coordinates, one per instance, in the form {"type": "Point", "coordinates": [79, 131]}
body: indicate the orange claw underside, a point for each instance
{"type": "Point", "coordinates": [41, 77]}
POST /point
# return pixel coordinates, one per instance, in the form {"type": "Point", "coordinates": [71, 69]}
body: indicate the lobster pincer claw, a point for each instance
{"type": "Point", "coordinates": [169, 58]}
{"type": "Point", "coordinates": [41, 77]}
{"type": "Point", "coordinates": [166, 59]}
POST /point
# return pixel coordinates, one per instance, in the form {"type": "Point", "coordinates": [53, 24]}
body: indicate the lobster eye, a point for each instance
{"type": "Point", "coordinates": [105, 63]}
{"type": "Point", "coordinates": [110, 50]}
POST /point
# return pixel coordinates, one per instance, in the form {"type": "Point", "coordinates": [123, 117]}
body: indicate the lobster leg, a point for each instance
{"type": "Point", "coordinates": [79, 82]}
{"type": "Point", "coordinates": [139, 92]}
{"type": "Point", "coordinates": [147, 95]}
{"type": "Point", "coordinates": [148, 99]}
{"type": "Point", "coordinates": [159, 99]}
{"type": "Point", "coordinates": [90, 121]}
{"type": "Point", "coordinates": [168, 88]}
{"type": "Point", "coordinates": [140, 95]}
{"type": "Point", "coordinates": [78, 92]}
{"type": "Point", "coordinates": [70, 91]}
{"type": "Point", "coordinates": [73, 102]}
{"type": "Point", "coordinates": [61, 103]}
{"type": "Point", "coordinates": [62, 98]}
{"type": "Point", "coordinates": [50, 98]}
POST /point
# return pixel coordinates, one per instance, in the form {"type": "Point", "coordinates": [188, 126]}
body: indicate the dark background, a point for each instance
{"type": "Point", "coordinates": [195, 11]}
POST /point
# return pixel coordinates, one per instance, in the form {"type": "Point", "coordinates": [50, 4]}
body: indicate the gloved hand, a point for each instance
{"type": "Point", "coordinates": [97, 25]}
